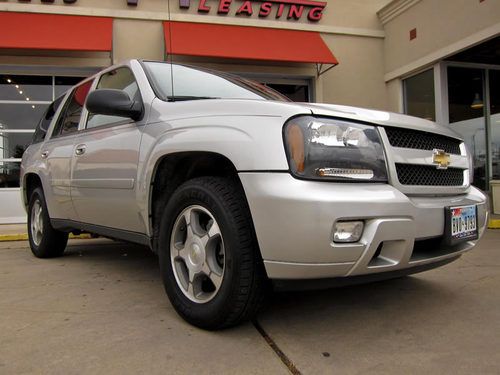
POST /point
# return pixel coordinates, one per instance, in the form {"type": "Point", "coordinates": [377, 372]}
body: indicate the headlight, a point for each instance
{"type": "Point", "coordinates": [328, 149]}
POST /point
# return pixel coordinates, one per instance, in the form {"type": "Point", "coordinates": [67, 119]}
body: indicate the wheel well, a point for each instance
{"type": "Point", "coordinates": [32, 181]}
{"type": "Point", "coordinates": [175, 169]}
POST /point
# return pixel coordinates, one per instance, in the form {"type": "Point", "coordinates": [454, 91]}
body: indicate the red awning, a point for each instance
{"type": "Point", "coordinates": [55, 32]}
{"type": "Point", "coordinates": [242, 42]}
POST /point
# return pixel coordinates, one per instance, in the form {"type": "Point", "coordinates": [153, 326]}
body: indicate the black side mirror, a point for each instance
{"type": "Point", "coordinates": [114, 103]}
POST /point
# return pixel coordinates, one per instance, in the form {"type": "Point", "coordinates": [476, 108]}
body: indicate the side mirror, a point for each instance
{"type": "Point", "coordinates": [114, 103]}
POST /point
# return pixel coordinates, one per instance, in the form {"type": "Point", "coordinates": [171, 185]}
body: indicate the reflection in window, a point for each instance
{"type": "Point", "coordinates": [9, 174]}
{"type": "Point", "coordinates": [118, 79]}
{"type": "Point", "coordinates": [12, 145]}
{"type": "Point", "coordinates": [190, 84]}
{"type": "Point", "coordinates": [419, 95]}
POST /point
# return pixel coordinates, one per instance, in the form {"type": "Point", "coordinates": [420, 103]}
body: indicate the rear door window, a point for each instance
{"type": "Point", "coordinates": [68, 120]}
{"type": "Point", "coordinates": [44, 123]}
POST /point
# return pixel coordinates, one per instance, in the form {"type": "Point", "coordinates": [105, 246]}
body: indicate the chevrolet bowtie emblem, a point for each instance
{"type": "Point", "coordinates": [441, 158]}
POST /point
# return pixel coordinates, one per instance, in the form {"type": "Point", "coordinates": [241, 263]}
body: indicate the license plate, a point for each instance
{"type": "Point", "coordinates": [461, 224]}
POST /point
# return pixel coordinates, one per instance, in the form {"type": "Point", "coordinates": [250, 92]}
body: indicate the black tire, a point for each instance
{"type": "Point", "coordinates": [49, 242]}
{"type": "Point", "coordinates": [244, 283]}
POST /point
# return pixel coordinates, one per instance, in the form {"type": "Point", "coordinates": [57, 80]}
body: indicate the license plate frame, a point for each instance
{"type": "Point", "coordinates": [460, 224]}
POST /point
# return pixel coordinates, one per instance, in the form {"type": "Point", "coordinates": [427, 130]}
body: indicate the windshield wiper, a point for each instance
{"type": "Point", "coordinates": [183, 98]}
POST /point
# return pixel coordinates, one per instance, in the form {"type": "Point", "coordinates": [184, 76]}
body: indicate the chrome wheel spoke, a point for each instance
{"type": "Point", "coordinates": [37, 222]}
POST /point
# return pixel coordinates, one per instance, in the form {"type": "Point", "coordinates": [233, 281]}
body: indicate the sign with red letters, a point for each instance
{"type": "Point", "coordinates": [289, 9]}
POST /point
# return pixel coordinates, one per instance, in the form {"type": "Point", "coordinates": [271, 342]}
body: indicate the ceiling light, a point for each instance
{"type": "Point", "coordinates": [17, 86]}
{"type": "Point", "coordinates": [9, 80]}
{"type": "Point", "coordinates": [477, 103]}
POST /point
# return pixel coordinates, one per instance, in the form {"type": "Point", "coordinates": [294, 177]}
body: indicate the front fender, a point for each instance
{"type": "Point", "coordinates": [254, 144]}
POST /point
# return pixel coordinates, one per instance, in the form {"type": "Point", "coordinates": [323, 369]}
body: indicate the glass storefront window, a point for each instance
{"type": "Point", "coordinates": [23, 101]}
{"type": "Point", "coordinates": [9, 174]}
{"type": "Point", "coordinates": [467, 115]}
{"type": "Point", "coordinates": [495, 121]}
{"type": "Point", "coordinates": [12, 145]}
{"type": "Point", "coordinates": [21, 116]}
{"type": "Point", "coordinates": [25, 88]}
{"type": "Point", "coordinates": [419, 95]}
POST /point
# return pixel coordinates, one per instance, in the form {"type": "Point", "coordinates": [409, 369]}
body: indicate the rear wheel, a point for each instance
{"type": "Point", "coordinates": [45, 241]}
{"type": "Point", "coordinates": [209, 258]}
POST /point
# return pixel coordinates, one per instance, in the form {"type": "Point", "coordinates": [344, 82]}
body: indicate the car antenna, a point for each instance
{"type": "Point", "coordinates": [170, 54]}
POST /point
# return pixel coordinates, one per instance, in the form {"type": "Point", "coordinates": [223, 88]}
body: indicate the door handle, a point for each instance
{"type": "Point", "coordinates": [45, 154]}
{"type": "Point", "coordinates": [80, 149]}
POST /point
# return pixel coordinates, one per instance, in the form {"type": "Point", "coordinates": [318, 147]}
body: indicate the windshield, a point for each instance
{"type": "Point", "coordinates": [195, 83]}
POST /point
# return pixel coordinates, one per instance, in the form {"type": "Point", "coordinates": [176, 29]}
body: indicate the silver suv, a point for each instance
{"type": "Point", "coordinates": [237, 189]}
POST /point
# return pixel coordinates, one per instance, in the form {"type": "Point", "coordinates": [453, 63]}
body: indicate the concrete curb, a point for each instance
{"type": "Point", "coordinates": [24, 237]}
{"type": "Point", "coordinates": [494, 224]}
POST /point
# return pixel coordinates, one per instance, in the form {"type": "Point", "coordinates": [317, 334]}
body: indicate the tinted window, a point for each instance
{"type": "Point", "coordinates": [70, 116]}
{"type": "Point", "coordinates": [178, 82]}
{"type": "Point", "coordinates": [119, 79]}
{"type": "Point", "coordinates": [43, 124]}
{"type": "Point", "coordinates": [419, 95]}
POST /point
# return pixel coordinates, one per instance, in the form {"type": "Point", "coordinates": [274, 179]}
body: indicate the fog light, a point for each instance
{"type": "Point", "coordinates": [347, 231]}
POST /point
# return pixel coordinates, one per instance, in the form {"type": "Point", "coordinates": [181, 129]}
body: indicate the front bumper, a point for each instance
{"type": "Point", "coordinates": [294, 220]}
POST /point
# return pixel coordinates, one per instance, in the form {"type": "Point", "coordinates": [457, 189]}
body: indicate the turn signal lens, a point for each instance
{"type": "Point", "coordinates": [295, 139]}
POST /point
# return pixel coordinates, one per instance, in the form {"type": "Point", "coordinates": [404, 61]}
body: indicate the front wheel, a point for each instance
{"type": "Point", "coordinates": [209, 258]}
{"type": "Point", "coordinates": [45, 241]}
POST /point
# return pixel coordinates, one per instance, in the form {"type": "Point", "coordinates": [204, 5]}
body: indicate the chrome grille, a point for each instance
{"type": "Point", "coordinates": [422, 141]}
{"type": "Point", "coordinates": [428, 175]}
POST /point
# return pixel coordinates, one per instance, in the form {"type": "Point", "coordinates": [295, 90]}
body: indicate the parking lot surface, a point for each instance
{"type": "Point", "coordinates": [101, 309]}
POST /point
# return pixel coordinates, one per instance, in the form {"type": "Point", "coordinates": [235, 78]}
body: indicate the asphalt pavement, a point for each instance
{"type": "Point", "coordinates": [101, 309]}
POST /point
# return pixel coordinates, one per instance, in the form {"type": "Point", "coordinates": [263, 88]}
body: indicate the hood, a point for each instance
{"type": "Point", "coordinates": [379, 118]}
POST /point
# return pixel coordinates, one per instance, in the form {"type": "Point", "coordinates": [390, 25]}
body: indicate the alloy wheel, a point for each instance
{"type": "Point", "coordinates": [197, 254]}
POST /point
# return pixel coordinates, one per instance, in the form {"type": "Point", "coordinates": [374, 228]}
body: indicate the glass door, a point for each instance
{"type": "Point", "coordinates": [494, 88]}
{"type": "Point", "coordinates": [467, 111]}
